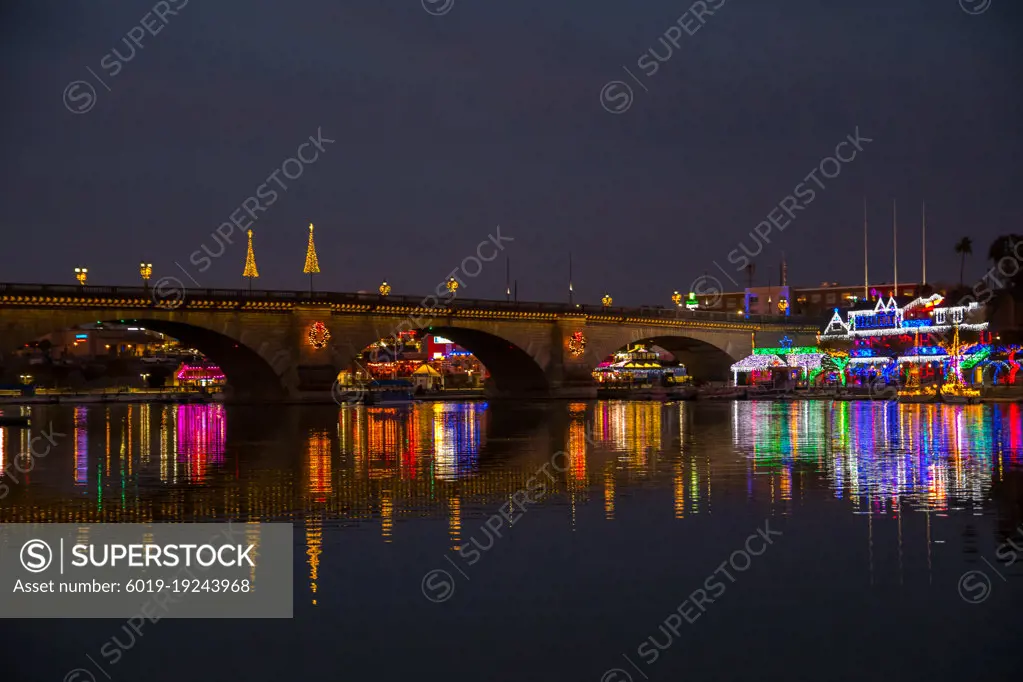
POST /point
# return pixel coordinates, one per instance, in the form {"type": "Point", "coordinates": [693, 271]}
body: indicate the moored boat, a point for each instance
{"type": "Point", "coordinates": [918, 396]}
{"type": "Point", "coordinates": [388, 392]}
{"type": "Point", "coordinates": [611, 392]}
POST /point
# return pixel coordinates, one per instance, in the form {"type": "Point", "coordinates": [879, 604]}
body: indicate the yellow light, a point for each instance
{"type": "Point", "coordinates": [385, 288]}
{"type": "Point", "coordinates": [606, 301]}
{"type": "Point", "coordinates": [146, 270]}
{"type": "Point", "coordinates": [676, 298]}
{"type": "Point", "coordinates": [82, 275]}
{"type": "Point", "coordinates": [452, 285]}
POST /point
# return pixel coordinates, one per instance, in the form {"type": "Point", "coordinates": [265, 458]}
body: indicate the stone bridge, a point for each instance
{"type": "Point", "coordinates": [261, 339]}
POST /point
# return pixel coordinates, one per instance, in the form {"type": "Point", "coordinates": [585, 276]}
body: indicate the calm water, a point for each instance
{"type": "Point", "coordinates": [881, 509]}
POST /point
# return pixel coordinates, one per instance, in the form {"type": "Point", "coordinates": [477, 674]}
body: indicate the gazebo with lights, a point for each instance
{"type": "Point", "coordinates": [785, 364]}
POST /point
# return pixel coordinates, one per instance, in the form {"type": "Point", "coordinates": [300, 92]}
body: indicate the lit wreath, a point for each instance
{"type": "Point", "coordinates": [577, 344]}
{"type": "Point", "coordinates": [318, 335]}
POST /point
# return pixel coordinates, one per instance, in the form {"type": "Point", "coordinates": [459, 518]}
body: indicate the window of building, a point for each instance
{"type": "Point", "coordinates": [815, 298]}
{"type": "Point", "coordinates": [830, 298]}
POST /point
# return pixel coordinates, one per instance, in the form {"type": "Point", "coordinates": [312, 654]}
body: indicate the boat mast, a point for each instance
{"type": "Point", "coordinates": [866, 282]}
{"type": "Point", "coordinates": [923, 240]}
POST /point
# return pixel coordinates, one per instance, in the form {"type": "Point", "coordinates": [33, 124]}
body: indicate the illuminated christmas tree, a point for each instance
{"type": "Point", "coordinates": [250, 263]}
{"type": "Point", "coordinates": [312, 264]}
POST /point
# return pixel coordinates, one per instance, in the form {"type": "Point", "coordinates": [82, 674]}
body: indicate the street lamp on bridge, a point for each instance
{"type": "Point", "coordinates": [82, 275]}
{"type": "Point", "coordinates": [385, 288]}
{"type": "Point", "coordinates": [146, 271]}
{"type": "Point", "coordinates": [606, 301]}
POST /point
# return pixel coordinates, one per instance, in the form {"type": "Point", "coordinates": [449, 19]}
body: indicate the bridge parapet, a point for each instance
{"type": "Point", "coordinates": [241, 300]}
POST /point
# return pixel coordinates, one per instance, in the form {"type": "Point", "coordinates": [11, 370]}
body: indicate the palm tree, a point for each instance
{"type": "Point", "coordinates": [964, 248]}
{"type": "Point", "coordinates": [1006, 247]}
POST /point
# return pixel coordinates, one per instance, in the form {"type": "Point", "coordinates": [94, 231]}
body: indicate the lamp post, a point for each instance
{"type": "Point", "coordinates": [26, 379]}
{"type": "Point", "coordinates": [82, 275]}
{"type": "Point", "coordinates": [452, 285]}
{"type": "Point", "coordinates": [146, 271]}
{"type": "Point", "coordinates": [385, 288]}
{"type": "Point", "coordinates": [676, 298]}
{"type": "Point", "coordinates": [606, 301]}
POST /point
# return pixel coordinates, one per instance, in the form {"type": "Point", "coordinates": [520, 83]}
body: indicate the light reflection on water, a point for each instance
{"type": "Point", "coordinates": [373, 490]}
{"type": "Point", "coordinates": [382, 461]}
{"type": "Point", "coordinates": [881, 454]}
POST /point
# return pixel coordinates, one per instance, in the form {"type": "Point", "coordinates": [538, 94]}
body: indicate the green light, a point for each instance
{"type": "Point", "coordinates": [795, 350]}
{"type": "Point", "coordinates": [971, 362]}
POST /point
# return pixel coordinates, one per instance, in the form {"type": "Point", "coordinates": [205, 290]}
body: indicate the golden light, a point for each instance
{"type": "Point", "coordinates": [452, 284]}
{"type": "Point", "coordinates": [82, 275]}
{"type": "Point", "coordinates": [146, 270]}
{"type": "Point", "coordinates": [676, 298]}
{"type": "Point", "coordinates": [385, 288]}
{"type": "Point", "coordinates": [606, 301]}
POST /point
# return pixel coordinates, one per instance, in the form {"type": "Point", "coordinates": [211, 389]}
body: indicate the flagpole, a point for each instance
{"type": "Point", "coordinates": [895, 245]}
{"type": "Point", "coordinates": [923, 241]}
{"type": "Point", "coordinates": [570, 278]}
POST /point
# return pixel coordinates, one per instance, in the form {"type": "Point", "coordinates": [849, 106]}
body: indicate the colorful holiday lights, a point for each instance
{"type": "Point", "coordinates": [888, 319]}
{"type": "Point", "coordinates": [577, 344]}
{"type": "Point", "coordinates": [318, 335]}
{"type": "Point", "coordinates": [787, 350]}
{"type": "Point", "coordinates": [200, 374]}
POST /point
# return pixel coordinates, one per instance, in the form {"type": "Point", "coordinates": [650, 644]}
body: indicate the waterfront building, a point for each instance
{"type": "Point", "coordinates": [103, 340]}
{"type": "Point", "coordinates": [808, 301]}
{"type": "Point", "coordinates": [918, 345]}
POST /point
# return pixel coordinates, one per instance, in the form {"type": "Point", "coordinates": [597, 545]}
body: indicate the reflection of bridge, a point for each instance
{"type": "Point", "coordinates": [262, 339]}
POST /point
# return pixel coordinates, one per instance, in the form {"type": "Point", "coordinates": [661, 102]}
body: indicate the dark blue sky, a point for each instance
{"type": "Point", "coordinates": [447, 126]}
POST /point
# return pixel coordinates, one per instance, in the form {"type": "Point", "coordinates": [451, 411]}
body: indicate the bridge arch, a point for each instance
{"type": "Point", "coordinates": [250, 373]}
{"type": "Point", "coordinates": [706, 355]}
{"type": "Point", "coordinates": [513, 369]}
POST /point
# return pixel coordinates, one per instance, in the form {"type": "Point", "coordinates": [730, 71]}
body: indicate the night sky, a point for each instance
{"type": "Point", "coordinates": [491, 114]}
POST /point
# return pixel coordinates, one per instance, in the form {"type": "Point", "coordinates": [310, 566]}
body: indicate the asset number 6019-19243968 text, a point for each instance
{"type": "Point", "coordinates": [188, 585]}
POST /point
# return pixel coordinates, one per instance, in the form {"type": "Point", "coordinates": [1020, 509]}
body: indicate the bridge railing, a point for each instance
{"type": "Point", "coordinates": [434, 302]}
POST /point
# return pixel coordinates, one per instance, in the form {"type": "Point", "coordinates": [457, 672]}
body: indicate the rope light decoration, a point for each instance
{"type": "Point", "coordinates": [577, 344]}
{"type": "Point", "coordinates": [318, 335]}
